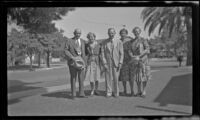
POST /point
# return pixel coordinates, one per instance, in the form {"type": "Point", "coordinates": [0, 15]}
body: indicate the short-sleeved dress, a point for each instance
{"type": "Point", "coordinates": [139, 70]}
{"type": "Point", "coordinates": [124, 71]}
{"type": "Point", "coordinates": [93, 63]}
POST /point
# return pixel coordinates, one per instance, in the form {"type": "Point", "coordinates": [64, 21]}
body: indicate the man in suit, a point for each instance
{"type": "Point", "coordinates": [76, 47]}
{"type": "Point", "coordinates": [112, 56]}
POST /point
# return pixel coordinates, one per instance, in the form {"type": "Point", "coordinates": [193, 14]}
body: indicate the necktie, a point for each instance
{"type": "Point", "coordinates": [77, 43]}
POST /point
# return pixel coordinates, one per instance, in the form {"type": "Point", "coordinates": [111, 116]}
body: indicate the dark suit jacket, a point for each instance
{"type": "Point", "coordinates": [70, 49]}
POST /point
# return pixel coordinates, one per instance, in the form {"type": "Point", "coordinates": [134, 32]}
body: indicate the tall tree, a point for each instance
{"type": "Point", "coordinates": [39, 21]}
{"type": "Point", "coordinates": [30, 45]}
{"type": "Point", "coordinates": [14, 51]}
{"type": "Point", "coordinates": [175, 18]}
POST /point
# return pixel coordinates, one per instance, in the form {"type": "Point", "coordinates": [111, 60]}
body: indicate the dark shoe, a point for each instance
{"type": "Point", "coordinates": [124, 94]}
{"type": "Point", "coordinates": [138, 94]}
{"type": "Point", "coordinates": [143, 96]}
{"type": "Point", "coordinates": [108, 95]}
{"type": "Point", "coordinates": [96, 92]}
{"type": "Point", "coordinates": [73, 97]}
{"type": "Point", "coordinates": [116, 96]}
{"type": "Point", "coordinates": [83, 96]}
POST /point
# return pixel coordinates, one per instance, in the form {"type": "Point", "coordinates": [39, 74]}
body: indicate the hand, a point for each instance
{"type": "Point", "coordinates": [136, 58]}
{"type": "Point", "coordinates": [105, 67]}
{"type": "Point", "coordinates": [119, 67]}
{"type": "Point", "coordinates": [73, 58]}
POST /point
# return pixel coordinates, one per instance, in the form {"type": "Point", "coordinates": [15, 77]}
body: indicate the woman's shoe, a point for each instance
{"type": "Point", "coordinates": [138, 94]}
{"type": "Point", "coordinates": [143, 95]}
{"type": "Point", "coordinates": [92, 93]}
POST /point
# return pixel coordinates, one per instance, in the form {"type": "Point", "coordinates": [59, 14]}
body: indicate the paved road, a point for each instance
{"type": "Point", "coordinates": [168, 93]}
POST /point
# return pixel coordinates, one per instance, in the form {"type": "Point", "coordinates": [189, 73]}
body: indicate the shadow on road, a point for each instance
{"type": "Point", "coordinates": [161, 109]}
{"type": "Point", "coordinates": [17, 86]}
{"type": "Point", "coordinates": [67, 94]}
{"type": "Point", "coordinates": [178, 91]}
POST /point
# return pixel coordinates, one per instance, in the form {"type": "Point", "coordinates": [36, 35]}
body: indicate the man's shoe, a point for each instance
{"type": "Point", "coordinates": [83, 96]}
{"type": "Point", "coordinates": [116, 96]}
{"type": "Point", "coordinates": [96, 93]}
{"type": "Point", "coordinates": [73, 97]}
{"type": "Point", "coordinates": [108, 95]}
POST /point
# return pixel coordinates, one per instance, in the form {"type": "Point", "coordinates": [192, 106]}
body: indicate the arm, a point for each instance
{"type": "Point", "coordinates": [66, 50]}
{"type": "Point", "coordinates": [121, 51]}
{"type": "Point", "coordinates": [102, 55]}
{"type": "Point", "coordinates": [146, 48]}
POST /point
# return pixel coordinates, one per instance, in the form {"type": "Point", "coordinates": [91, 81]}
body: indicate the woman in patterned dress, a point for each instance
{"type": "Point", "coordinates": [139, 68]}
{"type": "Point", "coordinates": [124, 71]}
{"type": "Point", "coordinates": [93, 63]}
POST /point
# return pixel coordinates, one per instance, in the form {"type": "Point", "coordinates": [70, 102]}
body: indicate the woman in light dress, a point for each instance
{"type": "Point", "coordinates": [93, 63]}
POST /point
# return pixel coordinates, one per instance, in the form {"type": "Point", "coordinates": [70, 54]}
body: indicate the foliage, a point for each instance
{"type": "Point", "coordinates": [38, 19]}
{"type": "Point", "coordinates": [40, 34]}
{"type": "Point", "coordinates": [174, 19]}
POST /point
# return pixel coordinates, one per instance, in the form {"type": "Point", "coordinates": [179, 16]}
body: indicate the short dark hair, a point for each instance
{"type": "Point", "coordinates": [136, 28]}
{"type": "Point", "coordinates": [90, 33]}
{"type": "Point", "coordinates": [123, 30]}
{"type": "Point", "coordinates": [109, 29]}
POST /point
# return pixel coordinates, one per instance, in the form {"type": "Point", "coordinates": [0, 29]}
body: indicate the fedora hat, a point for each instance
{"type": "Point", "coordinates": [78, 63]}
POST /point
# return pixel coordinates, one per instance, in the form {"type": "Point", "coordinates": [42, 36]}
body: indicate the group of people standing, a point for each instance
{"type": "Point", "coordinates": [124, 59]}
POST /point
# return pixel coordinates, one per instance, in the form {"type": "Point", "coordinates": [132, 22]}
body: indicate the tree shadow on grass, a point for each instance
{"type": "Point", "coordinates": [18, 85]}
{"type": "Point", "coordinates": [178, 91]}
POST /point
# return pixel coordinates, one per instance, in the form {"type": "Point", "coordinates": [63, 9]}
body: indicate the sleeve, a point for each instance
{"type": "Point", "coordinates": [121, 50]}
{"type": "Point", "coordinates": [66, 50]}
{"type": "Point", "coordinates": [146, 46]}
{"type": "Point", "coordinates": [102, 54]}
{"type": "Point", "coordinates": [129, 49]}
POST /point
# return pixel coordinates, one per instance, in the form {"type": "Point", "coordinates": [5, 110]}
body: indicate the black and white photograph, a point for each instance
{"type": "Point", "coordinates": [100, 61]}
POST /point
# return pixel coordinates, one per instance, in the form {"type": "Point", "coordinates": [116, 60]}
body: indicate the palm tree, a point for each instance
{"type": "Point", "coordinates": [174, 19]}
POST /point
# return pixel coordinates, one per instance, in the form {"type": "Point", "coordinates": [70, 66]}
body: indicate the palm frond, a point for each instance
{"type": "Point", "coordinates": [146, 12]}
{"type": "Point", "coordinates": [153, 26]}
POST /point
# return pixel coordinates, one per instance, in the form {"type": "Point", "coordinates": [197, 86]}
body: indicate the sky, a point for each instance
{"type": "Point", "coordinates": [99, 19]}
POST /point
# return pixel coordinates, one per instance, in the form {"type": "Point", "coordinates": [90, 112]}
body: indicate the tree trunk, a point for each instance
{"type": "Point", "coordinates": [13, 62]}
{"type": "Point", "coordinates": [189, 51]}
{"type": "Point", "coordinates": [31, 62]}
{"type": "Point", "coordinates": [48, 56]}
{"type": "Point", "coordinates": [189, 44]}
{"type": "Point", "coordinates": [39, 60]}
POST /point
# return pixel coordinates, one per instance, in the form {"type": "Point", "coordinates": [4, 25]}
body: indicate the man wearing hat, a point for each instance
{"type": "Point", "coordinates": [75, 54]}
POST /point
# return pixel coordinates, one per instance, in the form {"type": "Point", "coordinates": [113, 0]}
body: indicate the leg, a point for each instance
{"type": "Point", "coordinates": [115, 81]}
{"type": "Point", "coordinates": [144, 83]}
{"type": "Point", "coordinates": [108, 81]}
{"type": "Point", "coordinates": [92, 88]}
{"type": "Point", "coordinates": [81, 80]}
{"type": "Point", "coordinates": [131, 83]}
{"type": "Point", "coordinates": [138, 81]}
{"type": "Point", "coordinates": [73, 77]}
{"type": "Point", "coordinates": [96, 87]}
{"type": "Point", "coordinates": [124, 86]}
